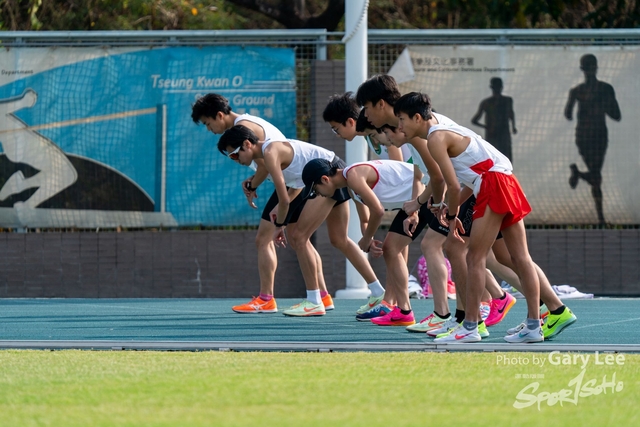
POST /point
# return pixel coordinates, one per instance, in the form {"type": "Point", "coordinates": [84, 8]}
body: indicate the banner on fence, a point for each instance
{"type": "Point", "coordinates": [566, 116]}
{"type": "Point", "coordinates": [103, 137]}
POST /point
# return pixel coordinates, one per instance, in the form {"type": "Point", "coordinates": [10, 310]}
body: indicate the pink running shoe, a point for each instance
{"type": "Point", "coordinates": [395, 318]}
{"type": "Point", "coordinates": [499, 309]}
{"type": "Point", "coordinates": [451, 290]}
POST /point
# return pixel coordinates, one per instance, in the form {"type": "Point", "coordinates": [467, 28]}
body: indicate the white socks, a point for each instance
{"type": "Point", "coordinates": [314, 296]}
{"type": "Point", "coordinates": [376, 288]}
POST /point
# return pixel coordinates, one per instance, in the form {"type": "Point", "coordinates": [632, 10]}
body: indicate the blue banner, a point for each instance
{"type": "Point", "coordinates": [92, 136]}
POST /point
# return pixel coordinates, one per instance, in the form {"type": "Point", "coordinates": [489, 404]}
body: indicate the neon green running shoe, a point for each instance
{"type": "Point", "coordinates": [556, 323]}
{"type": "Point", "coordinates": [458, 335]}
{"type": "Point", "coordinates": [373, 301]}
{"type": "Point", "coordinates": [432, 321]}
{"type": "Point", "coordinates": [445, 328]}
{"type": "Point", "coordinates": [305, 309]}
{"type": "Point", "coordinates": [482, 330]}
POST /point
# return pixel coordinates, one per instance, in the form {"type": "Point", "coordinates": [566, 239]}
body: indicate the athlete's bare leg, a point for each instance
{"type": "Point", "coordinates": [397, 271]}
{"type": "Point", "coordinates": [267, 258]}
{"type": "Point", "coordinates": [431, 246]}
{"type": "Point", "coordinates": [547, 295]}
{"type": "Point", "coordinates": [456, 254]}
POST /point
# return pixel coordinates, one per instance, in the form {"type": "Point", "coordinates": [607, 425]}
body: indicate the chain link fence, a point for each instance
{"type": "Point", "coordinates": [385, 47]}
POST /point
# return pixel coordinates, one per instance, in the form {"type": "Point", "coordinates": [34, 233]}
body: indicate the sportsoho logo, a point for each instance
{"type": "Point", "coordinates": [580, 387]}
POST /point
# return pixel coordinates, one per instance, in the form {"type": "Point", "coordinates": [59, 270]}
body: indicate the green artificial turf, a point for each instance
{"type": "Point", "coordinates": [127, 388]}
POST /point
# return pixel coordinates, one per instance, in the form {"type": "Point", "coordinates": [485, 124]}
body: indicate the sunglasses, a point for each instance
{"type": "Point", "coordinates": [235, 154]}
{"type": "Point", "coordinates": [314, 191]}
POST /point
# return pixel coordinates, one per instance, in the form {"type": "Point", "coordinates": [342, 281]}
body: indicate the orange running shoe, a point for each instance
{"type": "Point", "coordinates": [327, 301]}
{"type": "Point", "coordinates": [257, 305]}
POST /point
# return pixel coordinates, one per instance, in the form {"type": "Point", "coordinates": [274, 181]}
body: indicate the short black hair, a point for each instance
{"type": "Point", "coordinates": [376, 88]}
{"type": "Point", "coordinates": [363, 123]}
{"type": "Point", "coordinates": [414, 103]}
{"type": "Point", "coordinates": [209, 105]}
{"type": "Point", "coordinates": [388, 126]}
{"type": "Point", "coordinates": [341, 108]}
{"type": "Point", "coordinates": [234, 137]}
{"type": "Point", "coordinates": [313, 171]}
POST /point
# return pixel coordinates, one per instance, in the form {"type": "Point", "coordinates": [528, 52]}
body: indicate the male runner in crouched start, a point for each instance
{"type": "Point", "coordinates": [284, 161]}
{"type": "Point", "coordinates": [464, 157]}
{"type": "Point", "coordinates": [380, 185]}
{"type": "Point", "coordinates": [347, 120]}
{"type": "Point", "coordinates": [213, 110]}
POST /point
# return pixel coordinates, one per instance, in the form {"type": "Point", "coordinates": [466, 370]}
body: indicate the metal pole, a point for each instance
{"type": "Point", "coordinates": [356, 150]}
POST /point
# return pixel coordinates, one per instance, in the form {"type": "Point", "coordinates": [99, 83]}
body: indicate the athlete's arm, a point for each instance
{"type": "Point", "coordinates": [418, 186]}
{"type": "Point", "coordinates": [436, 179]}
{"type": "Point", "coordinates": [273, 162]}
{"type": "Point", "coordinates": [250, 185]}
{"type": "Point", "coordinates": [260, 175]}
{"type": "Point", "coordinates": [420, 194]}
{"type": "Point", "coordinates": [439, 144]}
{"type": "Point", "coordinates": [363, 214]}
{"type": "Point", "coordinates": [261, 172]}
{"type": "Point", "coordinates": [357, 182]}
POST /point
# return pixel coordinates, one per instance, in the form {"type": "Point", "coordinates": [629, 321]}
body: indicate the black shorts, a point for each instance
{"type": "Point", "coordinates": [424, 215]}
{"type": "Point", "coordinates": [465, 214]}
{"type": "Point", "coordinates": [295, 207]}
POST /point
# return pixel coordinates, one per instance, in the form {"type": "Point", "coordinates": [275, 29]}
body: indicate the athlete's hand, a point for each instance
{"type": "Point", "coordinates": [250, 195]}
{"type": "Point", "coordinates": [435, 210]}
{"type": "Point", "coordinates": [455, 227]}
{"type": "Point", "coordinates": [279, 238]}
{"type": "Point", "coordinates": [442, 216]}
{"type": "Point", "coordinates": [411, 206]}
{"type": "Point", "coordinates": [376, 248]}
{"type": "Point", "coordinates": [409, 225]}
{"type": "Point", "coordinates": [365, 243]}
{"type": "Point", "coordinates": [246, 184]}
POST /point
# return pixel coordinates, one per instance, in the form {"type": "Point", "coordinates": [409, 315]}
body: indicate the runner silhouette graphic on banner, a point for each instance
{"type": "Point", "coordinates": [498, 111]}
{"type": "Point", "coordinates": [595, 100]}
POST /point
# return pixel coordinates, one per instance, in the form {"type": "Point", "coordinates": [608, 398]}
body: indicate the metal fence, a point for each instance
{"type": "Point", "coordinates": [385, 46]}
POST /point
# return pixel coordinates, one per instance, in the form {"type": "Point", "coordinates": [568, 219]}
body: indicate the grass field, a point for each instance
{"type": "Point", "coordinates": [127, 388]}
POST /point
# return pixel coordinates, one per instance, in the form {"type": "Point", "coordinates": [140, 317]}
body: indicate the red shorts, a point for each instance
{"type": "Point", "coordinates": [503, 194]}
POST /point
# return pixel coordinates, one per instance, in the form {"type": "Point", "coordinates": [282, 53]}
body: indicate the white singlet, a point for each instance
{"type": "Point", "coordinates": [383, 151]}
{"type": "Point", "coordinates": [479, 157]}
{"type": "Point", "coordinates": [417, 159]}
{"type": "Point", "coordinates": [303, 153]}
{"type": "Point", "coordinates": [394, 185]}
{"type": "Point", "coordinates": [270, 131]}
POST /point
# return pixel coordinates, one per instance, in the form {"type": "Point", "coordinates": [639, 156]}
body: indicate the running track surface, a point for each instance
{"type": "Point", "coordinates": [604, 324]}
